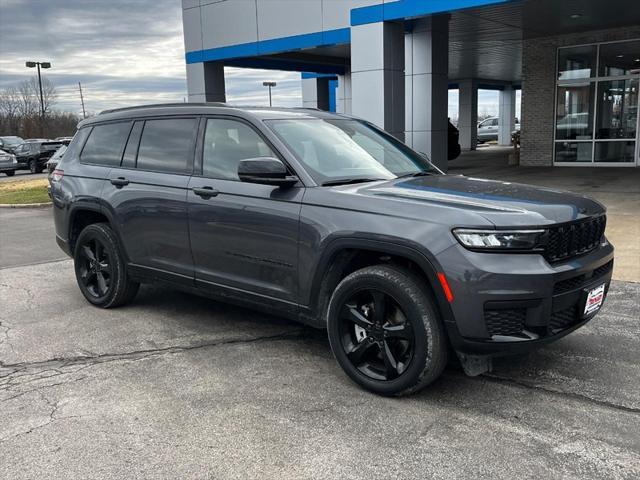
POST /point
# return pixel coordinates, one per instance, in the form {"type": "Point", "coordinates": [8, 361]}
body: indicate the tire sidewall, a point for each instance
{"type": "Point", "coordinates": [418, 312]}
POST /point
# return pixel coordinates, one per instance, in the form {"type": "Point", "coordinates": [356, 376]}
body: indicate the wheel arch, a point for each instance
{"type": "Point", "coordinates": [345, 255]}
{"type": "Point", "coordinates": [84, 213]}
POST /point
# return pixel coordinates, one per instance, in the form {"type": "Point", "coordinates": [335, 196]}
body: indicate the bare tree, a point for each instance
{"type": "Point", "coordinates": [9, 109]}
{"type": "Point", "coordinates": [29, 91]}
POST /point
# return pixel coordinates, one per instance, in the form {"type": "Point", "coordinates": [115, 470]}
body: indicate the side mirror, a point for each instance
{"type": "Point", "coordinates": [266, 171]}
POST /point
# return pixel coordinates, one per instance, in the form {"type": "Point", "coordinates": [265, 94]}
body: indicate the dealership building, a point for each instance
{"type": "Point", "coordinates": [392, 62]}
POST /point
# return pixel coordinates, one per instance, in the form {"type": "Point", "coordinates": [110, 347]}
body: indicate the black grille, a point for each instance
{"type": "Point", "coordinates": [576, 282]}
{"type": "Point", "coordinates": [505, 322]}
{"type": "Point", "coordinates": [603, 269]}
{"type": "Point", "coordinates": [563, 318]}
{"type": "Point", "coordinates": [574, 239]}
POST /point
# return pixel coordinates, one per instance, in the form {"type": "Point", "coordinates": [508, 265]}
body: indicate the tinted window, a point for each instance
{"type": "Point", "coordinates": [130, 151]}
{"type": "Point", "coordinates": [105, 143]}
{"type": "Point", "coordinates": [166, 145]}
{"type": "Point", "coordinates": [226, 142]}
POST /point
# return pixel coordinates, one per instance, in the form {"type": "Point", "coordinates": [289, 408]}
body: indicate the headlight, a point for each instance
{"type": "Point", "coordinates": [499, 239]}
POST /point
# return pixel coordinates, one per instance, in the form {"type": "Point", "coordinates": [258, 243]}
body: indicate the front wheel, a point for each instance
{"type": "Point", "coordinates": [100, 268]}
{"type": "Point", "coordinates": [384, 331]}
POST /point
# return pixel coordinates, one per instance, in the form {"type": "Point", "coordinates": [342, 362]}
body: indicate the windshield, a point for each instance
{"type": "Point", "coordinates": [337, 151]}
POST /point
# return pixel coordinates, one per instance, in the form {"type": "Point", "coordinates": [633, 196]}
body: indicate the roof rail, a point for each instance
{"type": "Point", "coordinates": [161, 105]}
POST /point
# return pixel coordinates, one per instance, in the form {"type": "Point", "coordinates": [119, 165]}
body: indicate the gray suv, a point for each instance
{"type": "Point", "coordinates": [330, 221]}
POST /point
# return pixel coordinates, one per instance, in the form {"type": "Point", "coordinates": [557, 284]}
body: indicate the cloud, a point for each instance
{"type": "Point", "coordinates": [124, 52]}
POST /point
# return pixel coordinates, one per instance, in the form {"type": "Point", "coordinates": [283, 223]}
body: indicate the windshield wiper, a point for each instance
{"type": "Point", "coordinates": [416, 174]}
{"type": "Point", "coordinates": [347, 181]}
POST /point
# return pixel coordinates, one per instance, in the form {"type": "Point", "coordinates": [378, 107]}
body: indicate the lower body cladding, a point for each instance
{"type": "Point", "coordinates": [510, 303]}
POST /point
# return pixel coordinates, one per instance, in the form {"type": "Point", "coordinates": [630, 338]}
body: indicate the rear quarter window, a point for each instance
{"type": "Point", "coordinates": [105, 144]}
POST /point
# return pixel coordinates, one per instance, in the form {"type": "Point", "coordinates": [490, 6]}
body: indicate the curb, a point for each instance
{"type": "Point", "coordinates": [26, 205]}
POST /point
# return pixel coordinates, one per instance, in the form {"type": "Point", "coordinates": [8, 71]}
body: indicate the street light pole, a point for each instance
{"type": "Point", "coordinates": [44, 65]}
{"type": "Point", "coordinates": [269, 84]}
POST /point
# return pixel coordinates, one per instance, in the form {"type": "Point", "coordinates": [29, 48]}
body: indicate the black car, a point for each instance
{"type": "Point", "coordinates": [33, 156]}
{"type": "Point", "coordinates": [330, 221]}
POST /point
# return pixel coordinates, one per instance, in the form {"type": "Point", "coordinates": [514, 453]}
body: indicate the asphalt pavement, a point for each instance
{"type": "Point", "coordinates": [176, 386]}
{"type": "Point", "coordinates": [22, 175]}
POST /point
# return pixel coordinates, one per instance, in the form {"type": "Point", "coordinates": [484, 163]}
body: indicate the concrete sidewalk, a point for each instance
{"type": "Point", "coordinates": [617, 188]}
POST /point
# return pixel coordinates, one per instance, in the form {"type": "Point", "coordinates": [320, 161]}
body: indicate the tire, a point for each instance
{"type": "Point", "coordinates": [406, 307]}
{"type": "Point", "coordinates": [10, 173]}
{"type": "Point", "coordinates": [100, 268]}
{"type": "Point", "coordinates": [33, 166]}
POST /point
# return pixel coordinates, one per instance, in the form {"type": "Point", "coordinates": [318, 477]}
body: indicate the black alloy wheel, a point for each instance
{"type": "Point", "coordinates": [101, 269]}
{"type": "Point", "coordinates": [384, 330]}
{"type": "Point", "coordinates": [376, 335]}
{"type": "Point", "coordinates": [95, 268]}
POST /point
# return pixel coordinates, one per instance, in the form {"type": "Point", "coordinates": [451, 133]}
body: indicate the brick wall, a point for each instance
{"type": "Point", "coordinates": [538, 88]}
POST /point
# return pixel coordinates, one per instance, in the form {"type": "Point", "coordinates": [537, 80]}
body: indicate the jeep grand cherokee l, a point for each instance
{"type": "Point", "coordinates": [327, 220]}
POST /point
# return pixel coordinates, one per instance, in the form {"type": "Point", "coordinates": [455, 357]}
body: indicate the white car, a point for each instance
{"type": "Point", "coordinates": [488, 129]}
{"type": "Point", "coordinates": [8, 163]}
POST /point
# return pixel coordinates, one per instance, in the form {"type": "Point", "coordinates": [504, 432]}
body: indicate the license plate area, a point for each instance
{"type": "Point", "coordinates": [593, 299]}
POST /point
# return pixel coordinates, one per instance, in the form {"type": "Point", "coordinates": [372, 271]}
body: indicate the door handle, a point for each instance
{"type": "Point", "coordinates": [119, 182]}
{"type": "Point", "coordinates": [206, 192]}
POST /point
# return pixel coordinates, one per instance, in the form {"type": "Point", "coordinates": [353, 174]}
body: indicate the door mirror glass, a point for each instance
{"type": "Point", "coordinates": [265, 170]}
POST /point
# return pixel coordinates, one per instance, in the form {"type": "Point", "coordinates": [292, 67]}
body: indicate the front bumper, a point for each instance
{"type": "Point", "coordinates": [507, 303]}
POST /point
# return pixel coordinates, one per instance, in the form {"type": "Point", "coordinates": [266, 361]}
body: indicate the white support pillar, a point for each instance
{"type": "Point", "coordinates": [205, 82]}
{"type": "Point", "coordinates": [309, 93]}
{"type": "Point", "coordinates": [343, 94]}
{"type": "Point", "coordinates": [427, 87]}
{"type": "Point", "coordinates": [468, 114]}
{"type": "Point", "coordinates": [377, 75]}
{"type": "Point", "coordinates": [506, 115]}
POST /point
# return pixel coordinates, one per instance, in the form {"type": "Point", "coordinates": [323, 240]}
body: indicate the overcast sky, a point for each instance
{"type": "Point", "coordinates": [126, 52]}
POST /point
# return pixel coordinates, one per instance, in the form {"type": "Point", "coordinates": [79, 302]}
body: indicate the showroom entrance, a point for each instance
{"type": "Point", "coordinates": [596, 121]}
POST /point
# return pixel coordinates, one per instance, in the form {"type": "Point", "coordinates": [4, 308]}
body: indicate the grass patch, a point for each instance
{"type": "Point", "coordinates": [24, 191]}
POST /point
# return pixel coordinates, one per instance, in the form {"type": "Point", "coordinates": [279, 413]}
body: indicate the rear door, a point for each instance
{"type": "Point", "coordinates": [147, 194]}
{"type": "Point", "coordinates": [244, 236]}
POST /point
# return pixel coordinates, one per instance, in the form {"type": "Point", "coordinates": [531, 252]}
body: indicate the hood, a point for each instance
{"type": "Point", "coordinates": [501, 203]}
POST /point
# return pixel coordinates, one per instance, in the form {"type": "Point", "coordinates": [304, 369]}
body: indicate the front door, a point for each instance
{"type": "Point", "coordinates": [244, 237]}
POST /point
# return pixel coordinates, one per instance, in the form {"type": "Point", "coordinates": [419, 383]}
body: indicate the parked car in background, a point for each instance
{"type": "Point", "coordinates": [52, 163]}
{"type": "Point", "coordinates": [8, 163]}
{"type": "Point", "coordinates": [63, 139]}
{"type": "Point", "coordinates": [39, 140]}
{"type": "Point", "coordinates": [488, 129]}
{"type": "Point", "coordinates": [10, 143]}
{"type": "Point", "coordinates": [33, 155]}
{"type": "Point", "coordinates": [330, 221]}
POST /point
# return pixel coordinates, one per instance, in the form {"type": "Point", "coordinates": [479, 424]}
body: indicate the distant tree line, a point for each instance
{"type": "Point", "coordinates": [20, 112]}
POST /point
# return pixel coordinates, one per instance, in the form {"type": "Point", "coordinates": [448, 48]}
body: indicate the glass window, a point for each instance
{"type": "Point", "coordinates": [573, 151]}
{"type": "Point", "coordinates": [344, 150]}
{"type": "Point", "coordinates": [166, 145]}
{"type": "Point", "coordinates": [130, 151]}
{"type": "Point", "coordinates": [226, 142]}
{"type": "Point", "coordinates": [105, 143]}
{"type": "Point", "coordinates": [574, 112]}
{"type": "Point", "coordinates": [620, 58]}
{"type": "Point", "coordinates": [615, 151]}
{"type": "Point", "coordinates": [576, 62]}
{"type": "Point", "coordinates": [617, 109]}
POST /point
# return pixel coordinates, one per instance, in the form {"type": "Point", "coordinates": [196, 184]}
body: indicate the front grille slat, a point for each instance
{"type": "Point", "coordinates": [577, 238]}
{"type": "Point", "coordinates": [563, 318]}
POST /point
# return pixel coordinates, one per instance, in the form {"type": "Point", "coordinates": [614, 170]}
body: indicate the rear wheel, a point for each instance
{"type": "Point", "coordinates": [100, 268]}
{"type": "Point", "coordinates": [384, 331]}
{"type": "Point", "coordinates": [10, 173]}
{"type": "Point", "coordinates": [33, 166]}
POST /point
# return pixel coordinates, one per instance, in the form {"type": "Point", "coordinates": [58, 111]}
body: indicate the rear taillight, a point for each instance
{"type": "Point", "coordinates": [57, 175]}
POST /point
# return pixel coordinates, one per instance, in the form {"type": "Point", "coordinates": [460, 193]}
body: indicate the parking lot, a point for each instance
{"type": "Point", "coordinates": [175, 386]}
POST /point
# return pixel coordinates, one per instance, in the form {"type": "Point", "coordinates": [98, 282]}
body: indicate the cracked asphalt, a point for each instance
{"type": "Point", "coordinates": [176, 386]}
